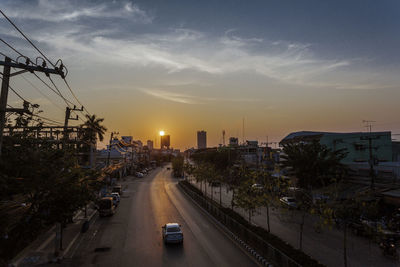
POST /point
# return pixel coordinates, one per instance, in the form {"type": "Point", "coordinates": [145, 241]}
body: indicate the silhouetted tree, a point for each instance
{"type": "Point", "coordinates": [93, 129]}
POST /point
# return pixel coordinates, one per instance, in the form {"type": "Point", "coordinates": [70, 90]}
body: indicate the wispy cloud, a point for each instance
{"type": "Point", "coordinates": [176, 50]}
{"type": "Point", "coordinates": [185, 98]}
{"type": "Point", "coordinates": [185, 49]}
{"type": "Point", "coordinates": [174, 97]}
{"type": "Point", "coordinates": [65, 11]}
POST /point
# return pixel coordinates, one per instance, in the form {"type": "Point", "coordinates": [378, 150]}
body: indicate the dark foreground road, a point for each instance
{"type": "Point", "coordinates": [132, 237]}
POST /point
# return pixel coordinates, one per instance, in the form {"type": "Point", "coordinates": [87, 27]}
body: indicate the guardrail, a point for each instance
{"type": "Point", "coordinates": [276, 256]}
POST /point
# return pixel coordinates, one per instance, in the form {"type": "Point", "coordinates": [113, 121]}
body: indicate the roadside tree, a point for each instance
{"type": "Point", "coordinates": [314, 166]}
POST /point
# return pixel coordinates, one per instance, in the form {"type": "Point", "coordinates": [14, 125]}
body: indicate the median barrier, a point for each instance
{"type": "Point", "coordinates": [245, 234]}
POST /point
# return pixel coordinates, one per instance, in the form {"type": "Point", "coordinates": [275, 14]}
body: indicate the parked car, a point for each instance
{"type": "Point", "coordinates": [139, 175]}
{"type": "Point", "coordinates": [106, 206]}
{"type": "Point", "coordinates": [357, 227]}
{"type": "Point", "coordinates": [257, 187]}
{"type": "Point", "coordinates": [215, 184]}
{"type": "Point", "coordinates": [117, 189]}
{"type": "Point", "coordinates": [172, 233]}
{"type": "Point", "coordinates": [117, 196]}
{"type": "Point", "coordinates": [114, 199]}
{"type": "Point", "coordinates": [289, 202]}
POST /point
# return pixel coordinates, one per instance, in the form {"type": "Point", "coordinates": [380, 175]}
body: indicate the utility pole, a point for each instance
{"type": "Point", "coordinates": [371, 160]}
{"type": "Point", "coordinates": [68, 117]}
{"type": "Point", "coordinates": [3, 98]}
{"type": "Point", "coordinates": [25, 67]}
{"type": "Point", "coordinates": [109, 148]}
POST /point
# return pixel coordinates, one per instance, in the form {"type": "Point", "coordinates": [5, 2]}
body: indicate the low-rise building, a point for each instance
{"type": "Point", "coordinates": [363, 149]}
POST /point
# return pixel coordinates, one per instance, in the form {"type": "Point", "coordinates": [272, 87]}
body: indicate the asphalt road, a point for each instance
{"type": "Point", "coordinates": [132, 237]}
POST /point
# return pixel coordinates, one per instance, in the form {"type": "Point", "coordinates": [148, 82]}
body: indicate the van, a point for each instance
{"type": "Point", "coordinates": [106, 207]}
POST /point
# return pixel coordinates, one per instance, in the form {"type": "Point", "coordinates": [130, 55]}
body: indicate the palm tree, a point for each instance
{"type": "Point", "coordinates": [94, 129]}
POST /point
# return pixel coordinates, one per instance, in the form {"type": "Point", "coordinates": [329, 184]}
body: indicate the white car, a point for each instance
{"type": "Point", "coordinates": [117, 196]}
{"type": "Point", "coordinates": [257, 187]}
{"type": "Point", "coordinates": [139, 175]}
{"type": "Point", "coordinates": [289, 202]}
{"type": "Point", "coordinates": [172, 233]}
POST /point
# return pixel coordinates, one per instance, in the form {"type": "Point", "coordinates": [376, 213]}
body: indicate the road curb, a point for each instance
{"type": "Point", "coordinates": [70, 244]}
{"type": "Point", "coordinates": [25, 252]}
{"type": "Point", "coordinates": [250, 250]}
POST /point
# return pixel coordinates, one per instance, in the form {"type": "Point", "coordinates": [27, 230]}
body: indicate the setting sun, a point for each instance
{"type": "Point", "coordinates": [162, 133]}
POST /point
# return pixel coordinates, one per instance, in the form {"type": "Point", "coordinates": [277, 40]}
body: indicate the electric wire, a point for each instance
{"type": "Point", "coordinates": [40, 92]}
{"type": "Point", "coordinates": [65, 100]}
{"type": "Point", "coordinates": [44, 118]}
{"type": "Point", "coordinates": [38, 116]}
{"type": "Point", "coordinates": [65, 81]}
{"type": "Point", "coordinates": [26, 38]}
{"type": "Point", "coordinates": [48, 60]}
{"type": "Point", "coordinates": [12, 48]}
{"type": "Point", "coordinates": [52, 89]}
{"type": "Point", "coordinates": [37, 76]}
{"type": "Point", "coordinates": [15, 92]}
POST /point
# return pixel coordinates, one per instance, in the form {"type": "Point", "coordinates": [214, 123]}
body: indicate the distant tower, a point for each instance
{"type": "Point", "coordinates": [165, 141]}
{"type": "Point", "coordinates": [223, 137]}
{"type": "Point", "coordinates": [243, 132]}
{"type": "Point", "coordinates": [150, 144]}
{"type": "Point", "coordinates": [201, 139]}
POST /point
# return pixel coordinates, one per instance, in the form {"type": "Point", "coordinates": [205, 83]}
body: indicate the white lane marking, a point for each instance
{"type": "Point", "coordinates": [45, 243]}
{"type": "Point", "coordinates": [210, 249]}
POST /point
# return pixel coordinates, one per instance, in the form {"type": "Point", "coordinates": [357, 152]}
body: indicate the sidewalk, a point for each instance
{"type": "Point", "coordinates": [325, 246]}
{"type": "Point", "coordinates": [42, 250]}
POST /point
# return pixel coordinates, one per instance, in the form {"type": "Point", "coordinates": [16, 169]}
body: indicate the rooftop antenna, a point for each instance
{"type": "Point", "coordinates": [243, 131]}
{"type": "Point", "coordinates": [368, 124]}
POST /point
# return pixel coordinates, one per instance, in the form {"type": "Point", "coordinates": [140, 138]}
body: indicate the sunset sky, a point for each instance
{"type": "Point", "coordinates": [184, 66]}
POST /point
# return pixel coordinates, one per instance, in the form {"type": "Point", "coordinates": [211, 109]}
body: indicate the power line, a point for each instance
{"type": "Point", "coordinates": [52, 89]}
{"type": "Point", "coordinates": [38, 116]}
{"type": "Point", "coordinates": [67, 84]}
{"type": "Point", "coordinates": [75, 96]}
{"type": "Point", "coordinates": [40, 92]}
{"type": "Point", "coordinates": [15, 92]}
{"type": "Point", "coordinates": [26, 38]}
{"type": "Point", "coordinates": [57, 92]}
{"type": "Point", "coordinates": [7, 44]}
{"type": "Point", "coordinates": [44, 118]}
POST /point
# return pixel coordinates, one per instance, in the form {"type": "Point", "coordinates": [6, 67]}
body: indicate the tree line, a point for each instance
{"type": "Point", "coordinates": [41, 183]}
{"type": "Point", "coordinates": [313, 168]}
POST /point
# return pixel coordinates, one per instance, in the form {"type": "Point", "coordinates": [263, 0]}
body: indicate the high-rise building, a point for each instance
{"type": "Point", "coordinates": [201, 139]}
{"type": "Point", "coordinates": [149, 144]}
{"type": "Point", "coordinates": [165, 141]}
